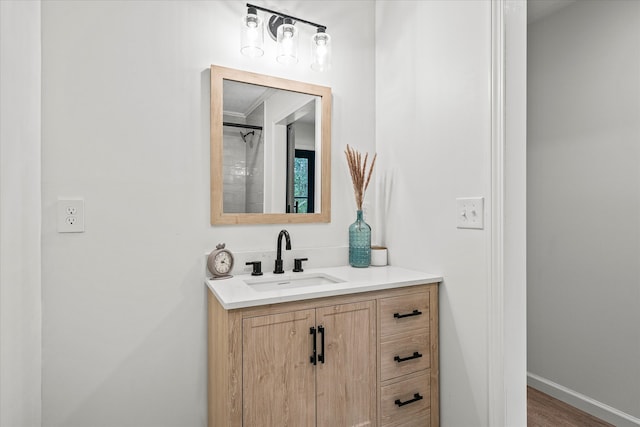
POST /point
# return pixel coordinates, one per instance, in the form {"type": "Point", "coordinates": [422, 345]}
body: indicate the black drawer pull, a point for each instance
{"type": "Point", "coordinates": [399, 359]}
{"type": "Point", "coordinates": [413, 313]}
{"type": "Point", "coordinates": [416, 397]}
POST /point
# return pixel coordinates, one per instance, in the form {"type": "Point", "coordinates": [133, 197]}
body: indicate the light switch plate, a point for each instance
{"type": "Point", "coordinates": [470, 212]}
{"type": "Point", "coordinates": [70, 216]}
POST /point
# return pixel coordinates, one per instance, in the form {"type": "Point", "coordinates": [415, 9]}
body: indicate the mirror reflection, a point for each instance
{"type": "Point", "coordinates": [270, 138]}
{"type": "Point", "coordinates": [270, 149]}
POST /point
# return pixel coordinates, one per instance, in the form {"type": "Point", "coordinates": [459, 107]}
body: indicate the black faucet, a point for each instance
{"type": "Point", "coordinates": [285, 233]}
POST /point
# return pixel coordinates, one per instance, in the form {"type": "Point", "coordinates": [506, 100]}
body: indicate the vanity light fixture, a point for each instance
{"type": "Point", "coordinates": [282, 29]}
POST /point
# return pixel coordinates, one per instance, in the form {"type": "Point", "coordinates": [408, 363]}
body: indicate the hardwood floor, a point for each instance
{"type": "Point", "coordinates": [546, 411]}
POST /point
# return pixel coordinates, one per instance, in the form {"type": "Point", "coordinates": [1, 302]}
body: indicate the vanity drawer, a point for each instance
{"type": "Point", "coordinates": [406, 403]}
{"type": "Point", "coordinates": [404, 355]}
{"type": "Point", "coordinates": [404, 313]}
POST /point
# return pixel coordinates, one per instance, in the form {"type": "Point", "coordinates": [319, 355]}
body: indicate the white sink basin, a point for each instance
{"type": "Point", "coordinates": [291, 281]}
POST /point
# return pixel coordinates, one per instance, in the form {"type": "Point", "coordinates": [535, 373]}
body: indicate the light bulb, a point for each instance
{"type": "Point", "coordinates": [252, 34]}
{"type": "Point", "coordinates": [321, 50]}
{"type": "Point", "coordinates": [287, 39]}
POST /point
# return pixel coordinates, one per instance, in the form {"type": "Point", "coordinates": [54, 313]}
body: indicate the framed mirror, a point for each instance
{"type": "Point", "coordinates": [270, 149]}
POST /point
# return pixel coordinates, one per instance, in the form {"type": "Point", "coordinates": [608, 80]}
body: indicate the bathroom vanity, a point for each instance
{"type": "Point", "coordinates": [331, 347]}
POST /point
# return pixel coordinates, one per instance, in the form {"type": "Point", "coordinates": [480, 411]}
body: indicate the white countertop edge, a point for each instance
{"type": "Point", "coordinates": [230, 295]}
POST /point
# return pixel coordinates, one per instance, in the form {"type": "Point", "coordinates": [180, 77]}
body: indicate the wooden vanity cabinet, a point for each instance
{"type": "Point", "coordinates": [346, 374]}
{"type": "Point", "coordinates": [278, 380]}
{"type": "Point", "coordinates": [408, 339]}
{"type": "Point", "coordinates": [263, 370]}
{"type": "Point", "coordinates": [286, 384]}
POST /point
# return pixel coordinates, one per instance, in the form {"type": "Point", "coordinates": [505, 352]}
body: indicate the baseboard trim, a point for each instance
{"type": "Point", "coordinates": [582, 402]}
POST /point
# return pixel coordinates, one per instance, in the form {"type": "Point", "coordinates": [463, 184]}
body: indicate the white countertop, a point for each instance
{"type": "Point", "coordinates": [236, 293]}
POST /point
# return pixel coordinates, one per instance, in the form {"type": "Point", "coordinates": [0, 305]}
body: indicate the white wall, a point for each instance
{"type": "Point", "coordinates": [125, 106]}
{"type": "Point", "coordinates": [305, 136]}
{"type": "Point", "coordinates": [20, 207]}
{"type": "Point", "coordinates": [433, 63]}
{"type": "Point", "coordinates": [584, 201]}
{"type": "Point", "coordinates": [514, 155]}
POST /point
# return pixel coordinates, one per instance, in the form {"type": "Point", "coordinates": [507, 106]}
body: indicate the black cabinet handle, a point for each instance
{"type": "Point", "coordinates": [413, 313]}
{"type": "Point", "coordinates": [416, 397]}
{"type": "Point", "coordinates": [399, 359]}
{"type": "Point", "coordinates": [321, 355]}
{"type": "Point", "coordinates": [312, 331]}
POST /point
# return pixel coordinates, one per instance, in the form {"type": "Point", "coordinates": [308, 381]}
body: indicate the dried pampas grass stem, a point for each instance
{"type": "Point", "coordinates": [358, 170]}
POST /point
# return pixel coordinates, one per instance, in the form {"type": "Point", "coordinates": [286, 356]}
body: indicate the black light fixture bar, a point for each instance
{"type": "Point", "coordinates": [284, 15]}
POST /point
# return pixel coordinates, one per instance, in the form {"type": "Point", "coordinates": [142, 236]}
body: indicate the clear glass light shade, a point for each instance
{"type": "Point", "coordinates": [287, 39]}
{"type": "Point", "coordinates": [320, 51]}
{"type": "Point", "coordinates": [252, 35]}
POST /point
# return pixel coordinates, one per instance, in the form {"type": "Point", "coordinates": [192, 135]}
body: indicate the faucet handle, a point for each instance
{"type": "Point", "coordinates": [257, 268]}
{"type": "Point", "coordinates": [297, 264]}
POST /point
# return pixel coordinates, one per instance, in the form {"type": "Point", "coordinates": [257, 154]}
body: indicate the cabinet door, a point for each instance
{"type": "Point", "coordinates": [346, 381]}
{"type": "Point", "coordinates": [278, 379]}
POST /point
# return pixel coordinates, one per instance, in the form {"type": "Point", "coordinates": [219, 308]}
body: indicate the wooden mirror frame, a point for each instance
{"type": "Point", "coordinates": [218, 217]}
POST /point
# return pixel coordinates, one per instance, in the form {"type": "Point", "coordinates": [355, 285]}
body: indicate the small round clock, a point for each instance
{"type": "Point", "coordinates": [220, 262]}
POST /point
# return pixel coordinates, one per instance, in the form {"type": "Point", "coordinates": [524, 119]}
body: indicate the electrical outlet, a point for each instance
{"type": "Point", "coordinates": [470, 212]}
{"type": "Point", "coordinates": [70, 216]}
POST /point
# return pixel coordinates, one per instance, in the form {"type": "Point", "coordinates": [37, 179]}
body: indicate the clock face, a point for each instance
{"type": "Point", "coordinates": [222, 262]}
